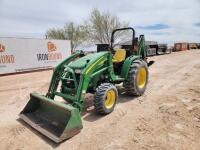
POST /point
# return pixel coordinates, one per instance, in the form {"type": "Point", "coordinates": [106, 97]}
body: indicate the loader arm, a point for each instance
{"type": "Point", "coordinates": [74, 86]}
{"type": "Point", "coordinates": [57, 74]}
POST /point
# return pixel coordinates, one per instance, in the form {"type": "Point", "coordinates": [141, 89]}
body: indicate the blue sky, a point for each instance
{"type": "Point", "coordinates": [164, 21]}
{"type": "Point", "coordinates": [198, 24]}
{"type": "Point", "coordinates": [158, 26]}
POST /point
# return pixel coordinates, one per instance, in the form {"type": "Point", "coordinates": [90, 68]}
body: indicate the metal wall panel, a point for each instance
{"type": "Point", "coordinates": [20, 54]}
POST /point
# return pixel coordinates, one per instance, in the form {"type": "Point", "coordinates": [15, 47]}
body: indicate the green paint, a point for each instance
{"type": "Point", "coordinates": [77, 74]}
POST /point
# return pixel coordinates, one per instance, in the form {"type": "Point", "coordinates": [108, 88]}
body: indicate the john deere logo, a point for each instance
{"type": "Point", "coordinates": [51, 47]}
{"type": "Point", "coordinates": [4, 58]}
{"type": "Point", "coordinates": [2, 48]}
{"type": "Point", "coordinates": [51, 55]}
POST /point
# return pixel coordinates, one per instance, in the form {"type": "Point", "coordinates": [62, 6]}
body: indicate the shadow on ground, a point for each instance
{"type": "Point", "coordinates": [89, 113]}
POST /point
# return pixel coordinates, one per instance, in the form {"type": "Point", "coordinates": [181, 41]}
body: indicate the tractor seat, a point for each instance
{"type": "Point", "coordinates": [119, 56]}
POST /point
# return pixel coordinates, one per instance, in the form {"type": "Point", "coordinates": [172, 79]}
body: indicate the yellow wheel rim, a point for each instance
{"type": "Point", "coordinates": [110, 99]}
{"type": "Point", "coordinates": [141, 77]}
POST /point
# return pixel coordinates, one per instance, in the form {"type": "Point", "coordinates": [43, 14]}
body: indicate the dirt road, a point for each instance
{"type": "Point", "coordinates": [166, 117]}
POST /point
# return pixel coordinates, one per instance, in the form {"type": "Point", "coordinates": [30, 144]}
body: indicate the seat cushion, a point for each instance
{"type": "Point", "coordinates": [119, 56]}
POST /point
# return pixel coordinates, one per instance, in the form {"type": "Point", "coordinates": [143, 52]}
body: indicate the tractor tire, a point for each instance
{"type": "Point", "coordinates": [137, 79]}
{"type": "Point", "coordinates": [105, 98]}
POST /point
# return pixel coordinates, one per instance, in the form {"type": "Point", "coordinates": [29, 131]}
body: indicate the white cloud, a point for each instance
{"type": "Point", "coordinates": [32, 18]}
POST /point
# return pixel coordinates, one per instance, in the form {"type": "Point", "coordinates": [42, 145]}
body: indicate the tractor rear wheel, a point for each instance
{"type": "Point", "coordinates": [105, 98]}
{"type": "Point", "coordinates": [137, 78]}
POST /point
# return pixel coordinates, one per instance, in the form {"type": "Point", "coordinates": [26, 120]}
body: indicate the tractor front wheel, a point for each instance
{"type": "Point", "coordinates": [137, 78]}
{"type": "Point", "coordinates": [105, 98]}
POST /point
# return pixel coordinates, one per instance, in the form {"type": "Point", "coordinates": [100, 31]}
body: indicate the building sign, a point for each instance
{"type": "Point", "coordinates": [18, 55]}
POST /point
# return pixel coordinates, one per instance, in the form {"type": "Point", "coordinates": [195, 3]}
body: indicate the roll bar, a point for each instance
{"type": "Point", "coordinates": [120, 29]}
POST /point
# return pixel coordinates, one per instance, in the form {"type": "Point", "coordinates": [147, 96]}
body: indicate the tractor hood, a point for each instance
{"type": "Point", "coordinates": [83, 61]}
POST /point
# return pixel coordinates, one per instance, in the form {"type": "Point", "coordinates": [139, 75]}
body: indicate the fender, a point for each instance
{"type": "Point", "coordinates": [127, 64]}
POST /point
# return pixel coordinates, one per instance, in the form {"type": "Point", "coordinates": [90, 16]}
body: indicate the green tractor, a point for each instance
{"type": "Point", "coordinates": [95, 73]}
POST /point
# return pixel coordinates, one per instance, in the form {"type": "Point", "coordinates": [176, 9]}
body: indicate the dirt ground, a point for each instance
{"type": "Point", "coordinates": [167, 116]}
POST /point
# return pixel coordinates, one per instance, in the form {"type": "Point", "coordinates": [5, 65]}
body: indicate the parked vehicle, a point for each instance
{"type": "Point", "coordinates": [180, 46]}
{"type": "Point", "coordinates": [192, 46]}
{"type": "Point", "coordinates": [80, 74]}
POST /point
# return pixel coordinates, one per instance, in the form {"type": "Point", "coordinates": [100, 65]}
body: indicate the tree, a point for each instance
{"type": "Point", "coordinates": [99, 26]}
{"type": "Point", "coordinates": [70, 31]}
{"type": "Point", "coordinates": [96, 29]}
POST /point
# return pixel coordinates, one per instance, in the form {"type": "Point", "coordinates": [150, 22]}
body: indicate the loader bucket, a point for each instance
{"type": "Point", "coordinates": [55, 120]}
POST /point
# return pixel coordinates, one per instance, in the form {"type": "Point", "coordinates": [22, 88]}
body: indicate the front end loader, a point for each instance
{"type": "Point", "coordinates": [94, 73]}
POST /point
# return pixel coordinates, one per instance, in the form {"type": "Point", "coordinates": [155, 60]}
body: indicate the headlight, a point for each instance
{"type": "Point", "coordinates": [78, 71]}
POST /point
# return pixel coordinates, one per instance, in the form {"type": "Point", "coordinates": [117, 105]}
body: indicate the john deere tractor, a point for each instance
{"type": "Point", "coordinates": [96, 73]}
